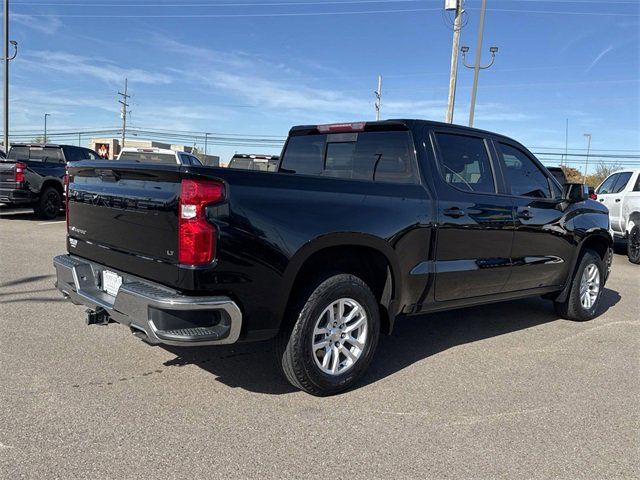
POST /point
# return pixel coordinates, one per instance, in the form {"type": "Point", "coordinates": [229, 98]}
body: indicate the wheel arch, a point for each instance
{"type": "Point", "coordinates": [359, 254]}
{"type": "Point", "coordinates": [52, 182]}
{"type": "Point", "coordinates": [634, 219]}
{"type": "Point", "coordinates": [601, 243]}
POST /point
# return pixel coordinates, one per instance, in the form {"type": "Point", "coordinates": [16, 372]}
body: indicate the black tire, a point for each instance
{"type": "Point", "coordinates": [633, 245]}
{"type": "Point", "coordinates": [49, 204]}
{"type": "Point", "coordinates": [572, 308]}
{"type": "Point", "coordinates": [295, 343]}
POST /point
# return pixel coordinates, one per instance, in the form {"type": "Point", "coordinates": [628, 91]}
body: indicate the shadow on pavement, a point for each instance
{"type": "Point", "coordinates": [21, 281]}
{"type": "Point", "coordinates": [253, 366]}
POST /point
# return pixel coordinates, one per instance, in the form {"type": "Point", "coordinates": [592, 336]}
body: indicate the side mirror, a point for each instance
{"type": "Point", "coordinates": [576, 192]}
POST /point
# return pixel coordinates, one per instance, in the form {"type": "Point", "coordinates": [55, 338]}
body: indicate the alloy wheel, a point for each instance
{"type": "Point", "coordinates": [339, 336]}
{"type": "Point", "coordinates": [589, 286]}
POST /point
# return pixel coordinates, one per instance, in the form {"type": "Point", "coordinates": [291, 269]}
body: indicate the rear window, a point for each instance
{"type": "Point", "coordinates": [148, 157]}
{"type": "Point", "coordinates": [240, 163]}
{"type": "Point", "coordinates": [37, 154]}
{"type": "Point", "coordinates": [259, 164]}
{"type": "Point", "coordinates": [376, 156]}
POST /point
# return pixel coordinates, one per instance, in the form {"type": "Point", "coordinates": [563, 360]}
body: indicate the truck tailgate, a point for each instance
{"type": "Point", "coordinates": [125, 216]}
{"type": "Point", "coordinates": [7, 170]}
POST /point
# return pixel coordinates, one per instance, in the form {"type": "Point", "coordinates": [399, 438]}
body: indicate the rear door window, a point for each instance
{"type": "Point", "coordinates": [607, 185]}
{"type": "Point", "coordinates": [464, 162]}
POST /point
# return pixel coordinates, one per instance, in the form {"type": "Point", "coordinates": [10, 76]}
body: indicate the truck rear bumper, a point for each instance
{"type": "Point", "coordinates": [12, 195]}
{"type": "Point", "coordinates": [157, 313]}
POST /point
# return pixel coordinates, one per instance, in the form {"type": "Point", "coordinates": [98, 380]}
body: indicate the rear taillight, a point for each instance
{"type": "Point", "coordinates": [20, 169]}
{"type": "Point", "coordinates": [196, 236]}
{"type": "Point", "coordinates": [66, 195]}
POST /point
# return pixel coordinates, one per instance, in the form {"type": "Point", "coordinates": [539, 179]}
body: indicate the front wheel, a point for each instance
{"type": "Point", "coordinates": [333, 338]}
{"type": "Point", "coordinates": [586, 289]}
{"type": "Point", "coordinates": [633, 245]}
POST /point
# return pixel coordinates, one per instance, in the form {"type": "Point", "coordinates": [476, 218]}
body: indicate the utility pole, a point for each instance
{"type": "Point", "coordinates": [476, 66]}
{"type": "Point", "coordinates": [6, 59]}
{"type": "Point", "coordinates": [378, 94]}
{"type": "Point", "coordinates": [586, 165]}
{"type": "Point", "coordinates": [205, 143]}
{"type": "Point", "coordinates": [123, 113]}
{"type": "Point", "coordinates": [45, 126]}
{"type": "Point", "coordinates": [453, 76]}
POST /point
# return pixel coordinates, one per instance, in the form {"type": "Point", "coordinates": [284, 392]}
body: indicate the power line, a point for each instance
{"type": "Point", "coordinates": [241, 15]}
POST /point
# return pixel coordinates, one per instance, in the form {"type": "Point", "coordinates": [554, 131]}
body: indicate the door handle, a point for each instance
{"type": "Point", "coordinates": [602, 199]}
{"type": "Point", "coordinates": [525, 215]}
{"type": "Point", "coordinates": [617, 200]}
{"type": "Point", "coordinates": [454, 212]}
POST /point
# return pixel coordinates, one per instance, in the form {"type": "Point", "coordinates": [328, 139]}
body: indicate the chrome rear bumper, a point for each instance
{"type": "Point", "coordinates": [163, 315]}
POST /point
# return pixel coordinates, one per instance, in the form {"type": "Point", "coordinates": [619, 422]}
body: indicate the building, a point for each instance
{"type": "Point", "coordinates": [110, 148]}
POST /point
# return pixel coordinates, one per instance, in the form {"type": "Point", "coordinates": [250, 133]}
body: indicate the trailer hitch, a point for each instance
{"type": "Point", "coordinates": [99, 316]}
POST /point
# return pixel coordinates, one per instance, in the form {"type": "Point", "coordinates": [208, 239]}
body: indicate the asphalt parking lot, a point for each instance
{"type": "Point", "coordinates": [505, 390]}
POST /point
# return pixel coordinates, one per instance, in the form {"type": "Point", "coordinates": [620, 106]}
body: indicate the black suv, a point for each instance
{"type": "Point", "coordinates": [32, 174]}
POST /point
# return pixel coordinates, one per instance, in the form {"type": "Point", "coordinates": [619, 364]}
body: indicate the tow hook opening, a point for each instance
{"type": "Point", "coordinates": [99, 316]}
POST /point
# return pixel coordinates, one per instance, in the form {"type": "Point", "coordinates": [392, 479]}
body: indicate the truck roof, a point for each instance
{"type": "Point", "coordinates": [391, 124]}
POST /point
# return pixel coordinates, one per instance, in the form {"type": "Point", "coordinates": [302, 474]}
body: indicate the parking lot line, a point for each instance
{"type": "Point", "coordinates": [52, 223]}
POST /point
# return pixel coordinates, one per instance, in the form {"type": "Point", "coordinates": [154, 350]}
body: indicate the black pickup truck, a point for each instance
{"type": "Point", "coordinates": [362, 223]}
{"type": "Point", "coordinates": [32, 175]}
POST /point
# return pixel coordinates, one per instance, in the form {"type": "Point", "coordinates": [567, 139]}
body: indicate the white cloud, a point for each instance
{"type": "Point", "coordinates": [47, 25]}
{"type": "Point", "coordinates": [599, 57]}
{"type": "Point", "coordinates": [95, 67]}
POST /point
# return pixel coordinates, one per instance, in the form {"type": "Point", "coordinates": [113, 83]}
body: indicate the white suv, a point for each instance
{"type": "Point", "coordinates": [158, 155]}
{"type": "Point", "coordinates": [620, 193]}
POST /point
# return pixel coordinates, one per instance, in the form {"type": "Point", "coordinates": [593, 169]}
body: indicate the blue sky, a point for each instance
{"type": "Point", "coordinates": [260, 66]}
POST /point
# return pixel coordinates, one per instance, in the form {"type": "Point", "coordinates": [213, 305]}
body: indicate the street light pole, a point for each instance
{"type": "Point", "coordinates": [586, 165]}
{"type": "Point", "coordinates": [476, 66]}
{"type": "Point", "coordinates": [6, 59]}
{"type": "Point", "coordinates": [206, 135]}
{"type": "Point", "coordinates": [453, 74]}
{"type": "Point", "coordinates": [45, 126]}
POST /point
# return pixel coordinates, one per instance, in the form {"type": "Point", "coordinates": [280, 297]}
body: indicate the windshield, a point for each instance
{"type": "Point", "coordinates": [148, 157]}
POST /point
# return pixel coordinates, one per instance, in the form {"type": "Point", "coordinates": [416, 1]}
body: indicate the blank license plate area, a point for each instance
{"type": "Point", "coordinates": [111, 282]}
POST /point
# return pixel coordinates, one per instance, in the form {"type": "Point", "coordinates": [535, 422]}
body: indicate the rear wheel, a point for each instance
{"type": "Point", "coordinates": [333, 338]}
{"type": "Point", "coordinates": [633, 245]}
{"type": "Point", "coordinates": [586, 289]}
{"type": "Point", "coordinates": [49, 204]}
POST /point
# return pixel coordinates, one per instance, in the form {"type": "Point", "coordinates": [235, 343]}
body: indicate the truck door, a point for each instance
{"type": "Point", "coordinates": [615, 208]}
{"type": "Point", "coordinates": [605, 194]}
{"type": "Point", "coordinates": [542, 250]}
{"type": "Point", "coordinates": [475, 223]}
